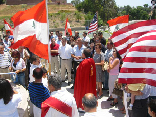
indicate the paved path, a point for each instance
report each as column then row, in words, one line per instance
column 103, row 106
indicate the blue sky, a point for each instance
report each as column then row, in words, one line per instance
column 129, row 2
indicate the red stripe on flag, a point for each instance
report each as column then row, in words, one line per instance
column 137, row 80
column 140, row 60
column 134, row 35
column 34, row 45
column 124, row 50
column 38, row 13
column 143, row 49
column 92, row 30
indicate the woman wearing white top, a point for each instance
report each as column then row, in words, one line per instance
column 18, row 66
column 9, row 100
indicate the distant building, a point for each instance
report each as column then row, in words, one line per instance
column 59, row 1
column 33, row 2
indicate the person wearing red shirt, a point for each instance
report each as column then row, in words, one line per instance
column 54, row 57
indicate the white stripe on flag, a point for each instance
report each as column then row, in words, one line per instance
column 138, row 65
column 141, row 54
column 137, row 75
column 31, row 27
column 145, row 43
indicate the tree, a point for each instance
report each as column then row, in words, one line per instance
column 106, row 8
column 78, row 16
column 75, row 2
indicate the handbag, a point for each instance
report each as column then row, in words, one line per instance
column 117, row 89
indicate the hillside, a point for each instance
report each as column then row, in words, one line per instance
column 56, row 13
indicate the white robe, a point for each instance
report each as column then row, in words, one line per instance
column 67, row 98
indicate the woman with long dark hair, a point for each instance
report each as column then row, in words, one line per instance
column 9, row 100
column 113, row 70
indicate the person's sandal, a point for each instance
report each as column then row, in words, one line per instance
column 110, row 99
column 114, row 103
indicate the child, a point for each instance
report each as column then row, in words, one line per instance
column 44, row 77
column 134, row 87
column 35, row 62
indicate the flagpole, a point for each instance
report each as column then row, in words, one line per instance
column 97, row 23
column 48, row 39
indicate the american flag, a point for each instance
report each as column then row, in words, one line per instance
column 94, row 24
column 137, row 45
column 140, row 63
column 124, row 38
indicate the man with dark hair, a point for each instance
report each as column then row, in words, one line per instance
column 61, row 103
column 107, row 55
column 58, row 41
column 77, row 55
column 37, row 92
column 55, row 66
column 89, row 103
column 65, row 51
column 102, row 39
column 76, row 35
column 152, row 108
column 85, row 81
column 85, row 37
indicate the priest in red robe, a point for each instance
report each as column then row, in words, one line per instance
column 85, row 81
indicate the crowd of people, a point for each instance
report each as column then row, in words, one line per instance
column 95, row 65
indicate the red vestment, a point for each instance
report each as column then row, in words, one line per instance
column 85, row 81
column 57, row 105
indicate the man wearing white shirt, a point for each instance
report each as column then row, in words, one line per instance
column 61, row 103
column 85, row 37
column 89, row 102
column 65, row 51
column 77, row 55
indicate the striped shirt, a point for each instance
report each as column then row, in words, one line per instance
column 38, row 93
column 5, row 60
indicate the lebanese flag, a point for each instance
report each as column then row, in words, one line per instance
column 118, row 23
column 8, row 27
column 67, row 27
column 30, row 30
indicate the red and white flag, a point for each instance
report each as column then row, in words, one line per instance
column 30, row 30
column 67, row 28
column 118, row 23
column 124, row 38
column 139, row 66
column 8, row 27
